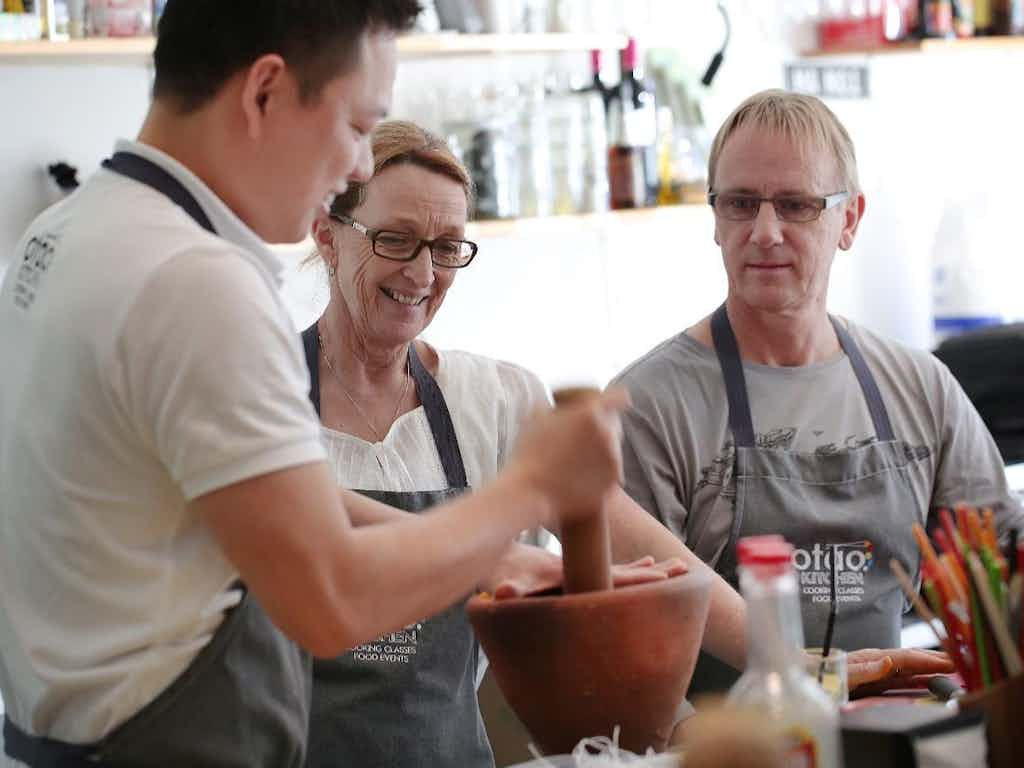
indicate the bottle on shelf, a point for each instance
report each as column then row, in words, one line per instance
column 775, row 683
column 641, row 114
column 963, row 18
column 1009, row 17
column 937, row 18
column 633, row 128
column 683, row 142
column 985, row 17
column 627, row 183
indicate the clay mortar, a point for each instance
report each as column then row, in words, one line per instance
column 579, row 664
column 573, row 666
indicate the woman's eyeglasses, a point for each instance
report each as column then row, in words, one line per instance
column 445, row 252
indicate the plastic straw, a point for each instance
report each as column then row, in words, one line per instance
column 1004, row 643
column 830, row 625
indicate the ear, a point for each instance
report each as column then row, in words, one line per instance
column 265, row 87
column 323, row 236
column 853, row 212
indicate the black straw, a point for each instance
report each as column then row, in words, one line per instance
column 833, row 609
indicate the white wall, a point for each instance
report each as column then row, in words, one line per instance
column 69, row 112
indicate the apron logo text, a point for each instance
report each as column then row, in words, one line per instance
column 814, row 569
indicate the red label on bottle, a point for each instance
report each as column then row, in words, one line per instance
column 801, row 749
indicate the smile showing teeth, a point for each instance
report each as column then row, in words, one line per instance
column 402, row 298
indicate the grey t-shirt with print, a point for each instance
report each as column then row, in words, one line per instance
column 678, row 448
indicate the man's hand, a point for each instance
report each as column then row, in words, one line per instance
column 871, row 671
column 525, row 570
column 571, row 456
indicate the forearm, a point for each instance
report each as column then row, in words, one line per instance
column 330, row 586
column 362, row 510
column 635, row 534
column 425, row 563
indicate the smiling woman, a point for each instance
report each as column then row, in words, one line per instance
column 392, row 246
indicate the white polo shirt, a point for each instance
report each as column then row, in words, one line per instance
column 145, row 362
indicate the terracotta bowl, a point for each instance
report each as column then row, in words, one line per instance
column 574, row 666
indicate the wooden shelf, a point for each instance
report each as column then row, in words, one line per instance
column 113, row 50
column 540, row 225
column 139, row 50
column 928, row 45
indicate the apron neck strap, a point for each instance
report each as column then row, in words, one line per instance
column 152, row 175
column 438, row 416
column 728, row 352
column 440, row 421
column 311, row 346
column 868, row 385
column 740, row 421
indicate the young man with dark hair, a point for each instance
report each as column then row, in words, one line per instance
column 171, row 541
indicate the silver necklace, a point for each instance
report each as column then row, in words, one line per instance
column 359, row 409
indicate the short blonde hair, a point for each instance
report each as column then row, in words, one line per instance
column 796, row 116
column 400, row 142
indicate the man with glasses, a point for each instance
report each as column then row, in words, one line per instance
column 772, row 416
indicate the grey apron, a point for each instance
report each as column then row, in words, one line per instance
column 408, row 698
column 244, row 699
column 858, row 501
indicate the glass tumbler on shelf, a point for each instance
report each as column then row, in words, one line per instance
column 533, row 152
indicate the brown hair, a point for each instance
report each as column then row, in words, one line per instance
column 795, row 116
column 400, row 142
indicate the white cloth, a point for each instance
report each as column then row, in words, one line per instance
column 149, row 362
column 488, row 401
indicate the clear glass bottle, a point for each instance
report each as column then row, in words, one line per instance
column 775, row 682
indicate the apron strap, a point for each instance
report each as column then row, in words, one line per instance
column 311, row 346
column 438, row 416
column 740, row 421
column 152, row 175
column 868, row 385
column 440, row 420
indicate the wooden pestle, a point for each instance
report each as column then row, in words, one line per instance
column 586, row 546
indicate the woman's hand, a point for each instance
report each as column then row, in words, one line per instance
column 871, row 670
column 525, row 570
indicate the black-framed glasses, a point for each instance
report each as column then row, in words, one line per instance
column 445, row 252
column 736, row 206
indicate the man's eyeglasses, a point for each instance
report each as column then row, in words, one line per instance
column 735, row 206
column 445, row 252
